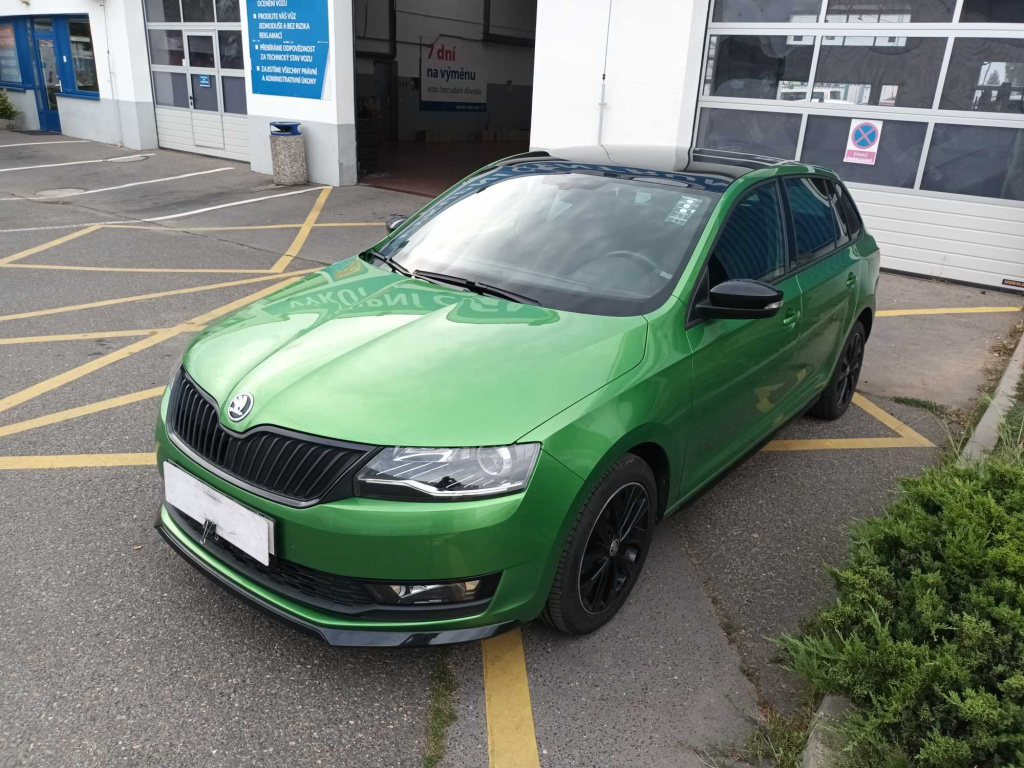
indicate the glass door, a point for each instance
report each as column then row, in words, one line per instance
column 204, row 88
column 47, row 77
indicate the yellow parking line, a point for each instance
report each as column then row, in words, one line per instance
column 100, row 362
column 157, row 270
column 78, row 460
column 157, row 228
column 82, row 410
column 146, row 296
column 350, row 224
column 46, row 246
column 511, row 739
column 303, row 233
column 77, row 336
column 943, row 311
column 908, row 438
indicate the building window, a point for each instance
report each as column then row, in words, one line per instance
column 230, row 42
column 753, row 67
column 976, row 160
column 10, row 66
column 985, row 75
column 879, row 71
column 992, row 12
column 196, row 10
column 83, row 59
column 899, row 154
column 163, row 11
column 747, row 12
column 772, row 134
column 889, row 11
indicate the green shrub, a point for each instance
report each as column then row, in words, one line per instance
column 926, row 636
column 7, row 110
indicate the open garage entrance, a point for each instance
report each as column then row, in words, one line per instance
column 442, row 87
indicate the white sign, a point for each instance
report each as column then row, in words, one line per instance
column 452, row 76
column 862, row 143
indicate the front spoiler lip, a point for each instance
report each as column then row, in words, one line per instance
column 333, row 636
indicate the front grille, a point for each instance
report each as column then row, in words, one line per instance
column 288, row 467
column 320, row 589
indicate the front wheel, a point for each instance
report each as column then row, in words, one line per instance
column 606, row 549
column 839, row 393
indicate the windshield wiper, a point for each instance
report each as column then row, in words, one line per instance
column 390, row 262
column 476, row 286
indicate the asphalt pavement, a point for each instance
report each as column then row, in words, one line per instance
column 114, row 650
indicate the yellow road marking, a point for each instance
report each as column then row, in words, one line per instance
column 78, row 460
column 47, row 246
column 82, row 410
column 77, row 336
column 303, row 233
column 511, row 740
column 245, row 227
column 943, row 311
column 146, row 296
column 908, row 438
column 162, row 335
column 158, row 270
column 351, row 224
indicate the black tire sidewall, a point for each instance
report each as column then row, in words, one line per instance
column 828, row 405
column 565, row 608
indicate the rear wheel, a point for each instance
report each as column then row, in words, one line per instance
column 606, row 549
column 839, row 393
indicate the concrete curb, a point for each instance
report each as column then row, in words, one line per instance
column 986, row 434
column 821, row 749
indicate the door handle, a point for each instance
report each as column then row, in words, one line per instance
column 790, row 319
column 851, row 280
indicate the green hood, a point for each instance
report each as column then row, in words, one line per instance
column 358, row 353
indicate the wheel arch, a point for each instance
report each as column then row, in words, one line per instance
column 866, row 317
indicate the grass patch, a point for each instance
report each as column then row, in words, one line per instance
column 440, row 709
column 779, row 740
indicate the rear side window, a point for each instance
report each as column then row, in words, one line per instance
column 752, row 244
column 848, row 216
column 814, row 222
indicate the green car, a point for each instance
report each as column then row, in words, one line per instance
column 480, row 420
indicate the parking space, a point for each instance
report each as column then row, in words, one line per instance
column 116, row 651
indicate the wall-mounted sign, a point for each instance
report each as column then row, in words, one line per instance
column 288, row 47
column 452, row 76
column 204, row 81
column 862, row 144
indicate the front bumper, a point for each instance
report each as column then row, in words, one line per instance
column 519, row 536
column 332, row 635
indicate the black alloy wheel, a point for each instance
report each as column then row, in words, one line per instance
column 843, row 385
column 610, row 558
column 606, row 548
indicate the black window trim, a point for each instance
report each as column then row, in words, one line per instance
column 699, row 286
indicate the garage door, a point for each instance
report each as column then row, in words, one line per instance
column 195, row 51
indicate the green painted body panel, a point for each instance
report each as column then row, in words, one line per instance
column 359, row 353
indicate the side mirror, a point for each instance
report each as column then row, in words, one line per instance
column 394, row 222
column 741, row 299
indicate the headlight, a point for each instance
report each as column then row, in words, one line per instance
column 447, row 473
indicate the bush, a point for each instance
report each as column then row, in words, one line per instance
column 926, row 636
column 7, row 110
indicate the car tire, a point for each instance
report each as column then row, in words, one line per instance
column 606, row 549
column 841, row 387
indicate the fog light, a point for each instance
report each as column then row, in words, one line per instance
column 413, row 593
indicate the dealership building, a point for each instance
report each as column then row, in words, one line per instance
column 918, row 104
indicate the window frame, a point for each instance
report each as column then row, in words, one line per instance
column 66, row 69
column 951, row 32
column 796, row 268
column 701, row 287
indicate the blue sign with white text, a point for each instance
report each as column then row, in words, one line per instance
column 288, row 47
column 204, row 81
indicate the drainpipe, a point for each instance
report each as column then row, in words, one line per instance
column 604, row 76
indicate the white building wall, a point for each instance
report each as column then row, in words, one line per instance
column 654, row 53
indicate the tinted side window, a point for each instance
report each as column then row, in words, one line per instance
column 752, row 244
column 848, row 217
column 841, row 227
column 813, row 218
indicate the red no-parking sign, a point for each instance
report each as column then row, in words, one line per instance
column 862, row 144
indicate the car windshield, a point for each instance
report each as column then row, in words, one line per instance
column 577, row 241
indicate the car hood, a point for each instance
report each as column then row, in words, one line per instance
column 362, row 354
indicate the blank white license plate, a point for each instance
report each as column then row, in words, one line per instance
column 249, row 531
